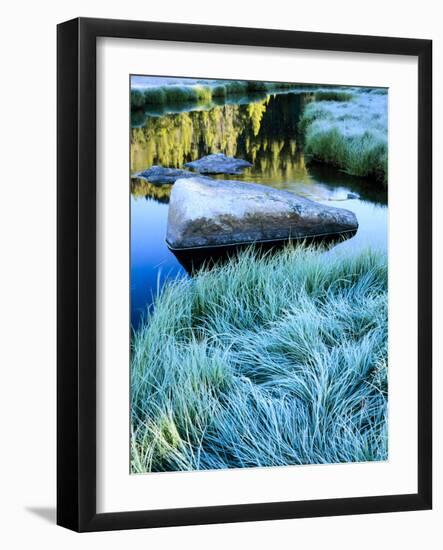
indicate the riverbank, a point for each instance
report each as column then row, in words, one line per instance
column 343, row 127
column 264, row 361
column 349, row 131
column 205, row 91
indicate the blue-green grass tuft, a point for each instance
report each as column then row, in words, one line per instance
column 350, row 134
column 332, row 95
column 267, row 360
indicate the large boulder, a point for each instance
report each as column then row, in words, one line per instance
column 218, row 163
column 207, row 213
column 160, row 175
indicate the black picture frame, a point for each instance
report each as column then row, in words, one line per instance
column 76, row 273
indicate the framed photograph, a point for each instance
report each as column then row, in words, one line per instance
column 244, row 274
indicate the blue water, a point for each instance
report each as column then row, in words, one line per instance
column 151, row 261
column 278, row 161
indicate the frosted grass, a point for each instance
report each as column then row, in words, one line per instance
column 150, row 91
column 265, row 361
column 351, row 134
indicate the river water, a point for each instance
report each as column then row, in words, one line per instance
column 260, row 129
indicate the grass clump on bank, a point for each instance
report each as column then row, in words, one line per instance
column 162, row 95
column 265, row 361
column 349, row 133
column 176, row 94
column 203, row 92
column 332, row 95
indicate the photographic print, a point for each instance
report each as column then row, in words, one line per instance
column 259, row 318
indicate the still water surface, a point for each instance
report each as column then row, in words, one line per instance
column 261, row 130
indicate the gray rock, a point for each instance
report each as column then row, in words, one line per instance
column 205, row 213
column 218, row 163
column 353, row 196
column 159, row 175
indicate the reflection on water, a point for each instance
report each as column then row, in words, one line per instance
column 208, row 257
column 263, row 131
column 138, row 118
column 142, row 188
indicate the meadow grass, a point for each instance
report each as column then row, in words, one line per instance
column 236, row 87
column 219, row 91
column 203, row 92
column 175, row 94
column 332, row 95
column 349, row 132
column 267, row 360
column 137, row 99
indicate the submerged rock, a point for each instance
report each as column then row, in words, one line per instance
column 218, row 163
column 208, row 213
column 159, row 175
